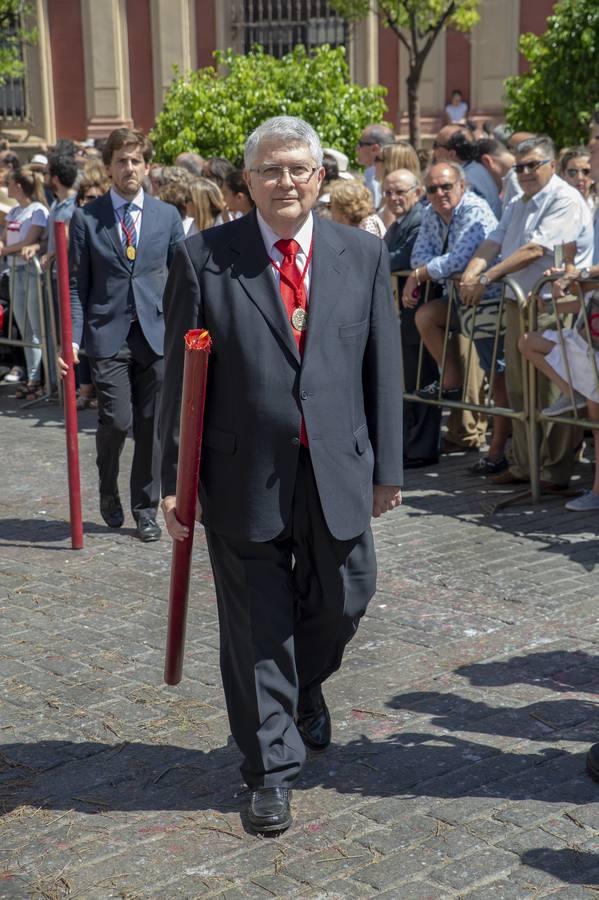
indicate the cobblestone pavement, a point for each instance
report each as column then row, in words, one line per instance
column 461, row 716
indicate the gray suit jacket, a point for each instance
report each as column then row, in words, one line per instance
column 258, row 387
column 103, row 281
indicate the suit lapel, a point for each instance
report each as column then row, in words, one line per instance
column 253, row 270
column 326, row 280
column 107, row 218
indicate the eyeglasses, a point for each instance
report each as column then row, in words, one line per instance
column 573, row 173
column 298, row 174
column 530, row 166
column 390, row 194
column 444, row 188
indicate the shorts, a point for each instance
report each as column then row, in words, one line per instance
column 580, row 361
column 484, row 346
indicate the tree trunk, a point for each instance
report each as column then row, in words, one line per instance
column 413, row 84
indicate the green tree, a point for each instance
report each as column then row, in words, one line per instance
column 417, row 25
column 560, row 90
column 13, row 34
column 213, row 113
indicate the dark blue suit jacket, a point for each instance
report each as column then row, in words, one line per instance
column 102, row 277
column 400, row 239
column 258, row 389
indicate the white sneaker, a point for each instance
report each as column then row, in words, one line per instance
column 564, row 404
column 16, row 375
column 585, row 502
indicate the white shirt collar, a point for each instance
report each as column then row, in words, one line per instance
column 118, row 201
column 270, row 238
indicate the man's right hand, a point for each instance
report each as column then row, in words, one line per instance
column 175, row 528
column 62, row 366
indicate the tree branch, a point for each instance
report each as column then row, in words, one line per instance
column 434, row 33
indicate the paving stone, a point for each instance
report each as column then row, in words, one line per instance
column 461, row 716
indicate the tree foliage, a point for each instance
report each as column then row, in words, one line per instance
column 213, row 113
column 13, row 34
column 560, row 91
column 417, row 25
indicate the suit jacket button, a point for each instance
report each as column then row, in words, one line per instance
column 295, row 441
column 304, row 395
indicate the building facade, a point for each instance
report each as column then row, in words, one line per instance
column 99, row 64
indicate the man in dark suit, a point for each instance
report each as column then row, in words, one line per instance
column 120, row 249
column 302, row 445
column 421, row 423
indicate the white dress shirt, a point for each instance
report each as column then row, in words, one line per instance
column 555, row 215
column 137, row 205
column 304, row 239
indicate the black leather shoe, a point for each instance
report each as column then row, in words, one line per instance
column 269, row 811
column 111, row 510
column 314, row 724
column 148, row 529
column 593, row 762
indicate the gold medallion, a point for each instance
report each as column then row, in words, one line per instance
column 299, row 319
column 131, row 253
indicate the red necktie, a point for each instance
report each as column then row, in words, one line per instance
column 293, row 293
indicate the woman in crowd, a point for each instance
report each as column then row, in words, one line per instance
column 178, row 195
column 400, row 155
column 351, row 204
column 575, row 169
column 236, row 195
column 24, row 230
column 456, row 110
column 207, row 204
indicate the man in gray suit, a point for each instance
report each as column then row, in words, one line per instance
column 120, row 249
column 302, row 445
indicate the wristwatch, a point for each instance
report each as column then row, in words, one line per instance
column 484, row 279
column 584, row 274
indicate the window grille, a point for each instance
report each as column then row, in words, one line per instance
column 278, row 25
column 13, row 96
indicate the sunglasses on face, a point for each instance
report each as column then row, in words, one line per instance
column 573, row 173
column 443, row 188
column 519, row 168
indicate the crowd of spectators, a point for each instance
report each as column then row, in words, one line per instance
column 479, row 206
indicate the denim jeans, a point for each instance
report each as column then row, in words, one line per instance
column 25, row 304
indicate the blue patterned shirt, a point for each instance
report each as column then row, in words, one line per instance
column 471, row 222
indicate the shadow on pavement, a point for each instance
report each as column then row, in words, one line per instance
column 40, row 531
column 556, row 670
column 572, row 866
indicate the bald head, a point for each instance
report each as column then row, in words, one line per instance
column 402, row 190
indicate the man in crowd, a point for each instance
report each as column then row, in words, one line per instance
column 120, row 248
column 61, row 177
column 548, row 213
column 402, row 191
column 451, row 229
column 455, row 143
column 499, row 162
column 372, row 140
column 302, row 444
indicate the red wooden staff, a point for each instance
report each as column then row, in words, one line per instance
column 70, row 402
column 197, row 348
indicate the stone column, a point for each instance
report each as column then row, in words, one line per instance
column 173, row 42
column 39, row 79
column 494, row 54
column 106, row 66
column 364, row 55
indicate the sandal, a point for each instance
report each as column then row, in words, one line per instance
column 486, row 466
column 31, row 391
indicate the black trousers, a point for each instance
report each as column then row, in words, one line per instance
column 287, row 609
column 128, row 387
column 421, row 422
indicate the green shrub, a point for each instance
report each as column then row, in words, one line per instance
column 213, row 113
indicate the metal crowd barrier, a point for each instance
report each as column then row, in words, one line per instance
column 488, row 408
column 38, row 290
column 537, row 417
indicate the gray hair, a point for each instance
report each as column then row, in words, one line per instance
column 380, row 134
column 451, row 164
column 540, row 142
column 283, row 130
column 415, row 179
